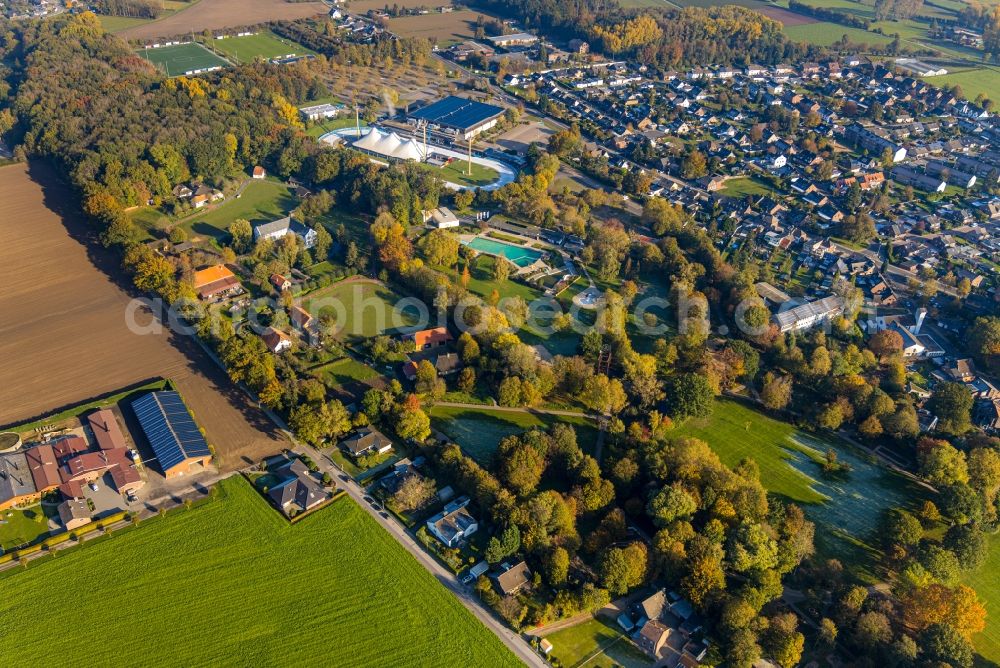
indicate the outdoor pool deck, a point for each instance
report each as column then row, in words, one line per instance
column 519, row 255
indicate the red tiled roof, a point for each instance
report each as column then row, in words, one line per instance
column 88, row 462
column 106, row 430
column 430, row 337
column 69, row 447
column 44, row 467
column 219, row 286
column 123, row 470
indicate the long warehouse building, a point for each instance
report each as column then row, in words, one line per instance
column 462, row 116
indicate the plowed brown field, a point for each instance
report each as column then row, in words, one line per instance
column 63, row 332
column 219, row 14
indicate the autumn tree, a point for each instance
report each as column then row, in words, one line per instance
column 414, row 492
column 623, row 568
column 776, row 393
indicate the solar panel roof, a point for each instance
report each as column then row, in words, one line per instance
column 457, row 112
column 169, row 427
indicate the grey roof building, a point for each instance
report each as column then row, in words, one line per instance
column 299, row 491
column 16, row 483
column 810, row 314
column 279, row 228
column 453, row 524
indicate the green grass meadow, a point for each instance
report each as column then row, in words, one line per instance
column 745, row 185
column 363, row 309
column 345, row 371
column 846, row 509
column 825, row 33
column 986, row 582
column 261, row 202
column 231, row 583
column 479, row 432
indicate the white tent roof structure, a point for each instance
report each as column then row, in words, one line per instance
column 390, row 145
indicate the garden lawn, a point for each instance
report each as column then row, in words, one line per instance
column 232, row 583
column 986, row 582
column 362, row 309
column 846, row 509
column 481, row 281
column 744, row 185
column 595, row 643
column 147, row 219
column 261, row 202
column 479, row 432
column 345, row 371
column 22, row 526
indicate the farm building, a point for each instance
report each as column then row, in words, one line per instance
column 176, row 441
column 466, row 118
column 215, row 282
column 106, row 431
column 16, row 483
column 74, row 513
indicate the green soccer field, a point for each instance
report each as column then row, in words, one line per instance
column 233, row 583
column 181, row 58
column 263, row 45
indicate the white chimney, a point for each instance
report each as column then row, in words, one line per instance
column 921, row 314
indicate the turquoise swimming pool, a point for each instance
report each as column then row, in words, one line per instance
column 519, row 255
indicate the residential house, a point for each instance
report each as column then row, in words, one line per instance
column 429, row 338
column 366, row 441
column 276, row 340
column 259, row 172
column 279, row 228
column 454, row 524
column 280, row 283
column 511, row 579
column 652, row 637
column 298, row 491
column 74, row 513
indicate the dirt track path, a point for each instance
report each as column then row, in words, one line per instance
column 63, row 332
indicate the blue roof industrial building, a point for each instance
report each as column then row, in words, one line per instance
column 459, row 114
column 177, row 443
